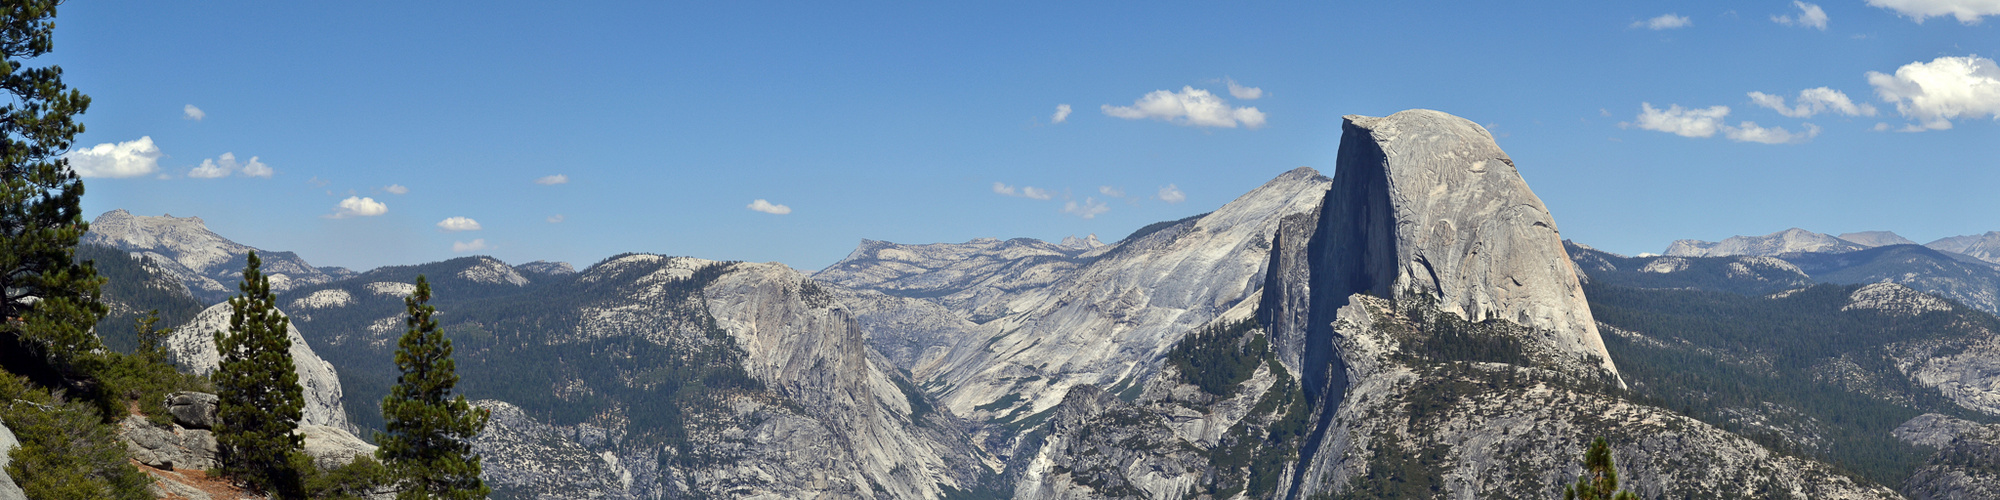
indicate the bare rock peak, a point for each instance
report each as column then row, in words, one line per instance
column 1425, row 202
column 1876, row 238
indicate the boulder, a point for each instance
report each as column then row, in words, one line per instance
column 193, row 410
column 167, row 447
column 332, row 447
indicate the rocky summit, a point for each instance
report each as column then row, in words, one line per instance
column 1792, row 240
column 209, row 264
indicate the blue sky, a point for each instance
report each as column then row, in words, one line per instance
column 373, row 126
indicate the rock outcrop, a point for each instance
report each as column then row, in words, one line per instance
column 1967, row 468
column 1425, row 203
column 1873, row 239
column 1985, row 247
column 1933, row 430
column 209, row 264
column 168, row 446
column 546, row 268
column 1788, row 241
column 8, row 489
column 192, row 346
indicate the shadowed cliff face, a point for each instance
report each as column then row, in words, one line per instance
column 1422, row 203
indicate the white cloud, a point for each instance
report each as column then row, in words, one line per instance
column 1171, row 194
column 1664, row 22
column 553, row 180
column 1812, row 102
column 1967, row 11
column 769, row 208
column 1750, row 132
column 396, row 189
column 1004, row 189
column 1810, row 16
column 1088, row 209
column 1111, row 191
column 1036, row 193
column 124, row 159
column 1190, row 106
column 226, row 164
column 192, row 113
column 1244, row 93
column 1945, row 89
column 1682, row 121
column 255, row 168
column 556, row 219
column 355, row 206
column 1062, row 114
column 456, row 224
column 477, row 244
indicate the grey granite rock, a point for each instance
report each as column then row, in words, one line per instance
column 192, row 346
column 1967, row 468
column 332, row 447
column 167, row 447
column 1985, row 247
column 1426, row 203
column 8, row 490
column 193, row 410
column 1792, row 240
column 1932, row 430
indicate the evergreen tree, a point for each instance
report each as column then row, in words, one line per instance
column 260, row 398
column 428, row 446
column 152, row 339
column 1600, row 476
column 50, row 300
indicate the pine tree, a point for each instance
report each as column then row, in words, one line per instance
column 1600, row 476
column 50, row 301
column 260, row 398
column 428, row 446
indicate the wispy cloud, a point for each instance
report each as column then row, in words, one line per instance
column 226, row 164
column 189, row 112
column 1967, row 11
column 1750, row 132
column 1022, row 192
column 1189, row 107
column 1088, row 209
column 1111, row 191
column 553, row 180
column 1812, row 102
column 1244, row 93
column 1171, row 194
column 355, row 206
column 555, row 219
column 1810, row 16
column 396, row 189
column 1664, row 22
column 456, row 224
column 124, row 159
column 475, row 245
column 1062, row 114
column 767, row 207
column 1945, row 89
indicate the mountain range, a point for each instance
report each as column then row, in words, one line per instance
column 1412, row 326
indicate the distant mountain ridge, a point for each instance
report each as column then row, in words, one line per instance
column 209, row 264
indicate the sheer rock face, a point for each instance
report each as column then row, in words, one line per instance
column 192, row 346
column 1426, row 203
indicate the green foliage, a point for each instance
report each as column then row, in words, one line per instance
column 1000, row 404
column 429, row 442
column 918, row 405
column 1284, row 415
column 1218, row 358
column 362, row 478
column 1444, row 336
column 66, row 451
column 1720, row 353
column 260, row 398
column 1600, row 476
column 132, row 289
column 1397, row 472
column 40, row 213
